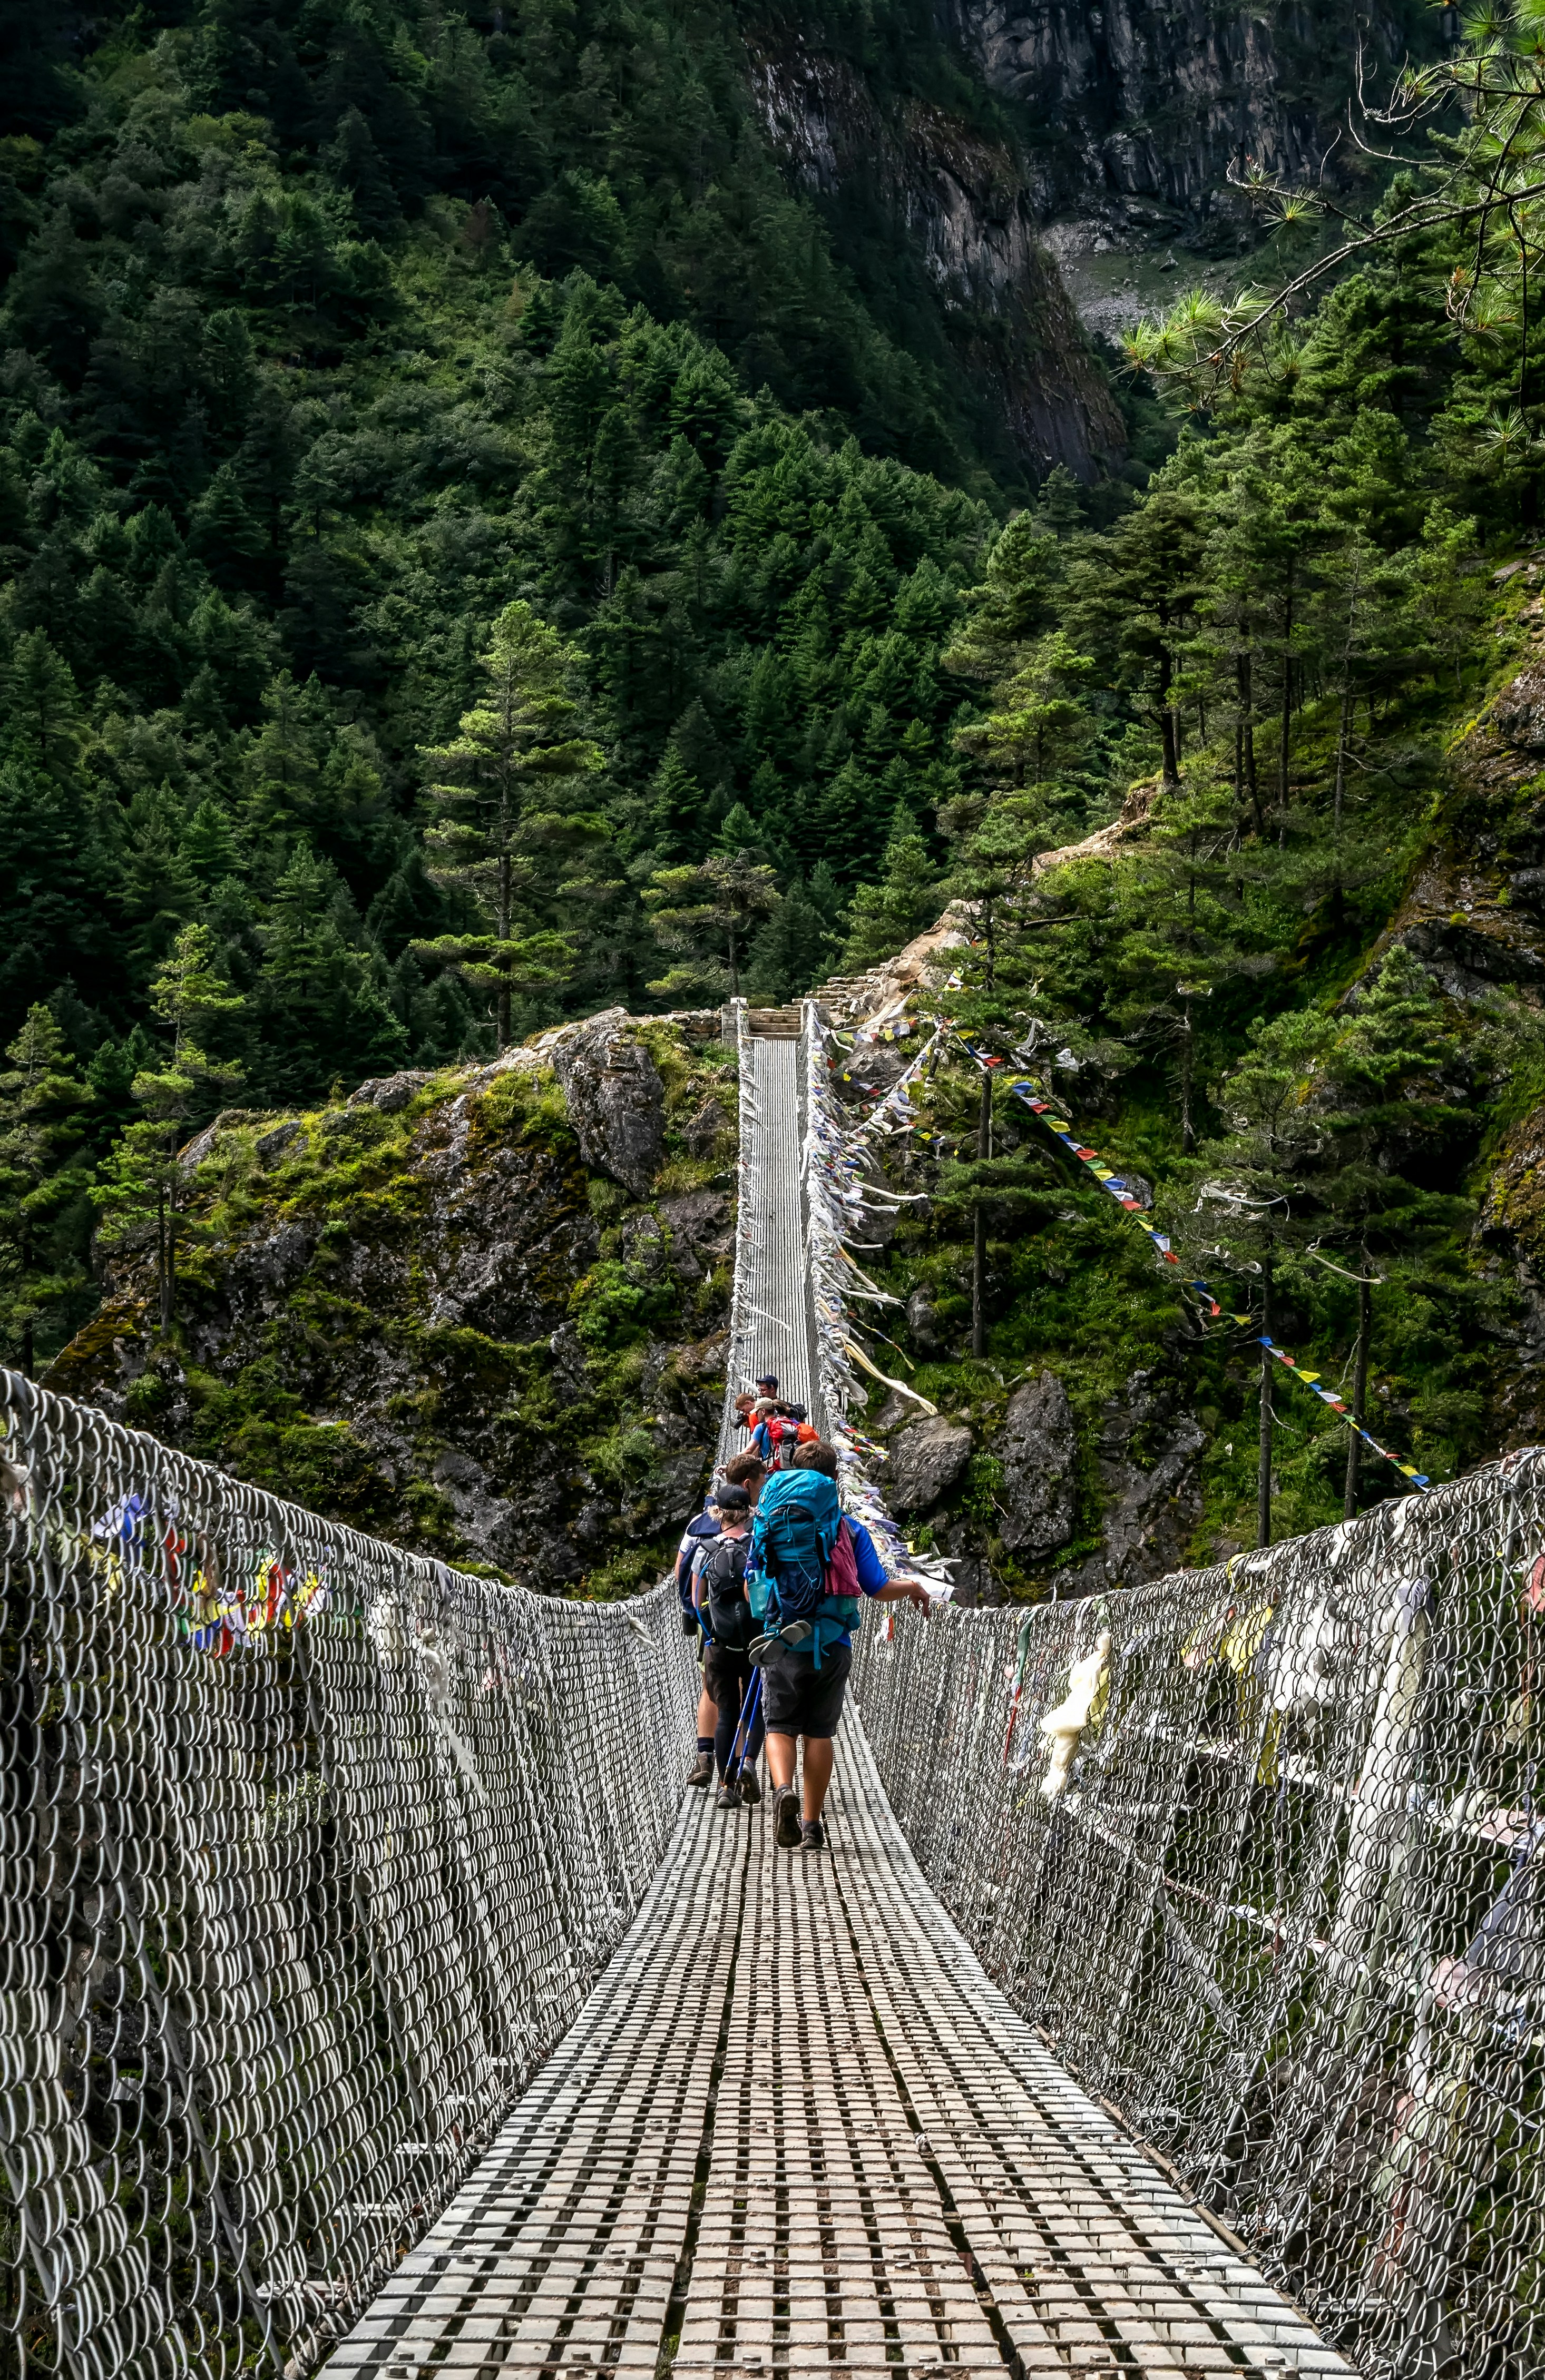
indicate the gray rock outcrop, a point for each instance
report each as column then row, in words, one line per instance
column 922, row 1322
column 1039, row 1451
column 1146, row 1456
column 614, row 1097
column 926, row 1459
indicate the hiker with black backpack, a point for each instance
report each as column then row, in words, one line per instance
column 719, row 1591
column 744, row 1472
column 809, row 1566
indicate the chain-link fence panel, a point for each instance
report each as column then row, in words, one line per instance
column 1261, row 1850
column 311, row 1850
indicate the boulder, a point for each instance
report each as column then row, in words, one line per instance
column 1039, row 1451
column 922, row 1322
column 614, row 1097
column 271, row 1146
column 925, row 1459
column 703, row 1131
column 389, row 1093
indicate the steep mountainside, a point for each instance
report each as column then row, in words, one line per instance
column 951, row 191
column 1140, row 109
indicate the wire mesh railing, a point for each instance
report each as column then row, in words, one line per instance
column 1261, row 1851
column 311, row 1850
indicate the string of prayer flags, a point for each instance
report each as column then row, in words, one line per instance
column 1312, row 1382
column 1029, row 1091
column 1094, row 1163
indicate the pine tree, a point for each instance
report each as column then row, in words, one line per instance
column 886, row 916
column 44, row 1171
column 515, row 748
column 44, row 703
column 1039, row 725
column 792, row 952
column 997, row 840
column 1136, row 593
column 1389, row 1120
column 1249, row 1208
column 703, row 911
column 141, row 1183
column 222, row 533
column 676, row 807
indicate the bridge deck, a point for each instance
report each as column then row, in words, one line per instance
column 796, row 2128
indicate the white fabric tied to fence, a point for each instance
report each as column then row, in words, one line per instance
column 1288, row 1912
column 312, row 1848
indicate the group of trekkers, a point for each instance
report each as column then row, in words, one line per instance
column 769, row 1576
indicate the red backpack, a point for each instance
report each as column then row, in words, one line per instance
column 785, row 1434
column 842, row 1563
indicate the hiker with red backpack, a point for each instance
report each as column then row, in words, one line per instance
column 810, row 1565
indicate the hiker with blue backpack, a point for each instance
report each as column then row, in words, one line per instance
column 808, row 1567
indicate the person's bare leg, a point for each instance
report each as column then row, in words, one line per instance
column 819, row 1755
column 708, row 1712
column 780, row 1760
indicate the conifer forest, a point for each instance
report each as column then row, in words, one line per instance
column 513, row 513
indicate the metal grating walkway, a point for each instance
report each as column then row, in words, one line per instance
column 795, row 2127
column 771, row 1304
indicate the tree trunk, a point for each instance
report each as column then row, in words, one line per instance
column 1246, row 675
column 1359, row 1394
column 979, row 1227
column 1288, row 706
column 502, row 1027
column 1263, row 1472
column 1188, row 1058
column 169, row 1267
column 161, row 1251
column 1168, row 738
column 734, row 967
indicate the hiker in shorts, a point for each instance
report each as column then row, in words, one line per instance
column 719, row 1591
column 803, row 1689
column 742, row 1471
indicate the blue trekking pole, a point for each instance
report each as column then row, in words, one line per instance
column 747, row 1720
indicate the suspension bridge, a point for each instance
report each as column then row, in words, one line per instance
column 376, row 2002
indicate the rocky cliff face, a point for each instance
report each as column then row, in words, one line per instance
column 1141, row 109
column 1098, row 130
column 959, row 200
column 479, row 1312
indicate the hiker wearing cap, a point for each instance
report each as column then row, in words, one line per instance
column 746, row 1471
column 719, row 1592
column 812, row 1566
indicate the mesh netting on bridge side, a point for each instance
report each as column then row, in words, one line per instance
column 1286, row 1909
column 311, row 1851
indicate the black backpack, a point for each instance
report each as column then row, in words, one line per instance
column 724, row 1585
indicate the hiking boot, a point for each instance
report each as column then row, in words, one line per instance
column 702, row 1770
column 812, row 1835
column 786, row 1819
column 727, row 1798
column 751, row 1791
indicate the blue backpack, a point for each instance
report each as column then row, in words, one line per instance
column 793, row 1534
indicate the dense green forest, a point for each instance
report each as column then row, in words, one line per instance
column 477, row 553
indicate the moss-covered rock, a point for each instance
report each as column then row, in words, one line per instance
column 422, row 1312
